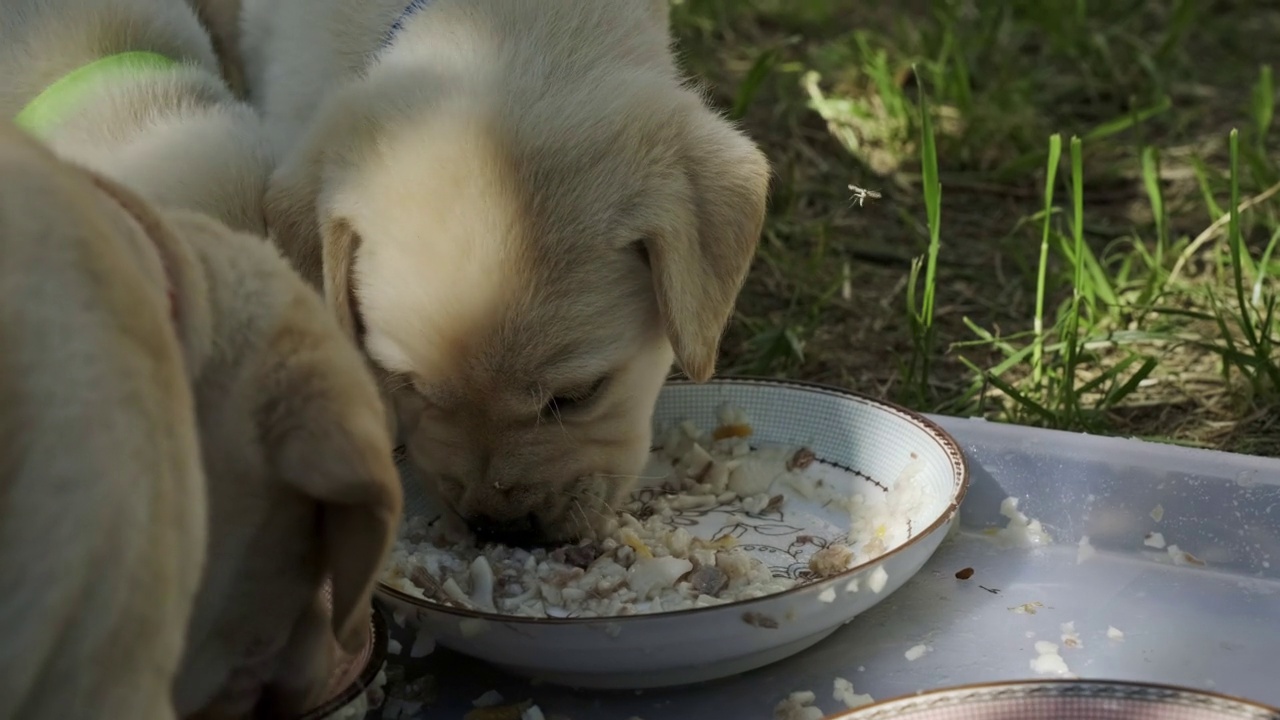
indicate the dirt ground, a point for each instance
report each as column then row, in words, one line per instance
column 828, row 88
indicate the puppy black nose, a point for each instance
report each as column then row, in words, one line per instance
column 517, row 532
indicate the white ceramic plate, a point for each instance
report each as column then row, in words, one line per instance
column 1063, row 700
column 862, row 446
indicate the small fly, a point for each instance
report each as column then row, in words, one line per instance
column 861, row 194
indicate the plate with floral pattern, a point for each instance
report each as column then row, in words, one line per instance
column 846, row 499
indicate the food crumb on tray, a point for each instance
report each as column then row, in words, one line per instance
column 1027, row 608
column 1071, row 638
column 798, row 706
column 423, row 643
column 1047, row 660
column 843, row 692
column 1182, row 557
column 1114, row 633
column 1021, row 531
column 1084, row 550
column 916, row 652
column 1154, row 540
column 642, row 563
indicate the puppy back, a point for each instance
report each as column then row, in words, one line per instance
column 101, row 497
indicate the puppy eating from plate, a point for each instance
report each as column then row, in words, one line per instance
column 523, row 215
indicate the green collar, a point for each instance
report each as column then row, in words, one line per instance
column 58, row 99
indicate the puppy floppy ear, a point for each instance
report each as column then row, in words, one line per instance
column 699, row 268
column 339, row 243
column 320, row 248
column 343, row 461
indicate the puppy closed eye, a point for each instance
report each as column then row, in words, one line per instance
column 575, row 399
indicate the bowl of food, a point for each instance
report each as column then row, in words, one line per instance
column 1063, row 700
column 356, row 684
column 771, row 513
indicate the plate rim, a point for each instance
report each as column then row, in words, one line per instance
column 889, row 704
column 380, row 634
column 947, row 442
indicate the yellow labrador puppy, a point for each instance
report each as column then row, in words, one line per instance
column 300, row 484
column 131, row 88
column 222, row 19
column 102, row 511
column 519, row 210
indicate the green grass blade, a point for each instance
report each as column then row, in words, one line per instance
column 1264, row 106
column 1151, row 180
column 1051, row 178
column 1023, row 400
column 1118, row 394
column 1128, row 122
column 1235, row 241
column 1071, row 335
column 751, row 84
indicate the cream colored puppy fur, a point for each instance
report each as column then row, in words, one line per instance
column 519, row 210
column 181, row 138
column 102, row 513
column 301, row 484
column 221, row 18
column 299, row 478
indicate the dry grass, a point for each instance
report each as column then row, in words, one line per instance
column 1127, row 345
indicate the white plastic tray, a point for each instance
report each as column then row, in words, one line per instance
column 1215, row 626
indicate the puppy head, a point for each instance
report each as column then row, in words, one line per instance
column 522, row 272
column 301, row 485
